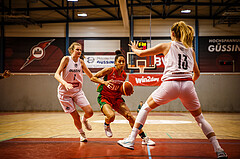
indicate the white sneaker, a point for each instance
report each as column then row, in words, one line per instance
column 147, row 141
column 126, row 143
column 108, row 131
column 83, row 137
column 221, row 154
column 87, row 125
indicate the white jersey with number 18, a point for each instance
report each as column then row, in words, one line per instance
column 179, row 62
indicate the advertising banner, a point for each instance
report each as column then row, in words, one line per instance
column 219, row 54
column 145, row 79
column 102, row 61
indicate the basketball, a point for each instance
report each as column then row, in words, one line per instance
column 126, row 88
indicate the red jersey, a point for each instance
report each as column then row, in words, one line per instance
column 112, row 91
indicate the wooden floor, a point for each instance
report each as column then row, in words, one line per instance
column 53, row 135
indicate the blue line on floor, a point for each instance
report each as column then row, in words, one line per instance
column 149, row 153
column 14, row 137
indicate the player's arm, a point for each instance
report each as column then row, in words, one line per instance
column 57, row 75
column 158, row 49
column 196, row 71
column 85, row 69
column 5, row 74
column 97, row 77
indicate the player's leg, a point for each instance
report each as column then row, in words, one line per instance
column 167, row 92
column 209, row 133
column 137, row 128
column 69, row 107
column 81, row 100
column 105, row 107
column 88, row 113
column 109, row 117
column 191, row 102
column 125, row 111
column 78, row 124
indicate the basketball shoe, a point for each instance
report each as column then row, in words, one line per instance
column 87, row 125
column 108, row 130
column 83, row 137
column 127, row 143
column 147, row 141
column 221, row 154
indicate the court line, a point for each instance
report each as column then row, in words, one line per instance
column 169, row 135
column 149, row 152
column 3, row 133
column 15, row 136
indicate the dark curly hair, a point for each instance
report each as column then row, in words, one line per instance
column 118, row 54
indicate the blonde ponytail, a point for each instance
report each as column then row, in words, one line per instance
column 183, row 33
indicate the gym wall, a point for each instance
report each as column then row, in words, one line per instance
column 218, row 92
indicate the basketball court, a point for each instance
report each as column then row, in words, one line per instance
column 53, row 135
column 36, row 35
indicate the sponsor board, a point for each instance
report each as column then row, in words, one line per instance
column 103, row 61
column 145, row 79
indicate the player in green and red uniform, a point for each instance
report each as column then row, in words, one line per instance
column 110, row 95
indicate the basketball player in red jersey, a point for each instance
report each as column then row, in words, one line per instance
column 178, row 82
column 70, row 76
column 110, row 95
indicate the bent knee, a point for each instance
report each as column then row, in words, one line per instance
column 89, row 113
column 129, row 116
column 111, row 117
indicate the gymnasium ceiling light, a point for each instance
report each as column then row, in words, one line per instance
column 82, row 14
column 186, row 11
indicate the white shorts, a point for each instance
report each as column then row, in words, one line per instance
column 68, row 101
column 171, row 90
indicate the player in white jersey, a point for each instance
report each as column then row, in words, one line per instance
column 178, row 82
column 70, row 77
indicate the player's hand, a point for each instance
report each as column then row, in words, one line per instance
column 6, row 73
column 109, row 83
column 130, row 93
column 134, row 45
column 68, row 86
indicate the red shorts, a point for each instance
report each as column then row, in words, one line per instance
column 113, row 102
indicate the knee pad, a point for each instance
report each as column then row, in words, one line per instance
column 142, row 115
column 204, row 125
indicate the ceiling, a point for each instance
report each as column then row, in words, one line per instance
column 38, row 12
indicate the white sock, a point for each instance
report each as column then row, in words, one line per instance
column 141, row 118
column 134, row 134
column 215, row 143
column 81, row 131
